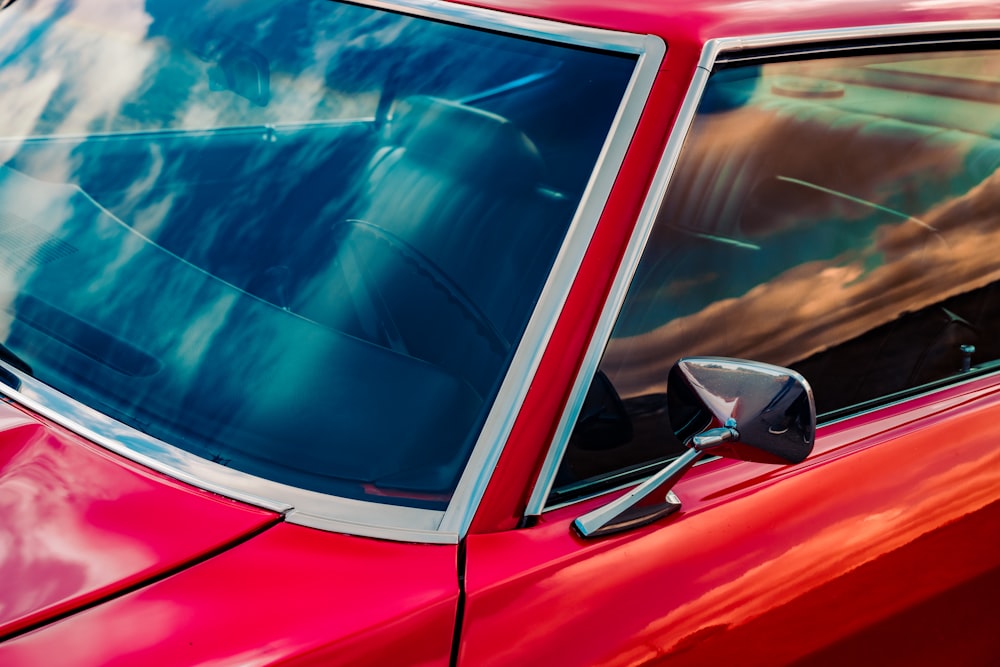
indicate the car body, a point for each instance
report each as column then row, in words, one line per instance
column 330, row 328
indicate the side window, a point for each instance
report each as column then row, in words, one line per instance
column 838, row 216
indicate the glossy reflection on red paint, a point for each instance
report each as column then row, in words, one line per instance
column 79, row 524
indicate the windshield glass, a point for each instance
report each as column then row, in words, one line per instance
column 297, row 238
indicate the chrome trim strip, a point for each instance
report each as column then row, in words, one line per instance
column 527, row 26
column 938, row 387
column 300, row 506
column 129, row 442
column 714, row 47
column 711, row 52
column 372, row 519
column 510, row 398
column 616, row 296
column 429, row 536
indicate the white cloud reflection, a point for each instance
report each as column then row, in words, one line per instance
column 180, row 190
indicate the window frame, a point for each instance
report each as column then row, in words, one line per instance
column 716, row 53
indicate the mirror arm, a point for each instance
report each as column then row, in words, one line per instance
column 777, row 424
column 714, row 437
column 629, row 511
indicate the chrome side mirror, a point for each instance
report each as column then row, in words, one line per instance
column 720, row 407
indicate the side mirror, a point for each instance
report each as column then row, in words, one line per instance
column 720, row 407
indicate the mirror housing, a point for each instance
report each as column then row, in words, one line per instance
column 721, row 407
column 771, row 407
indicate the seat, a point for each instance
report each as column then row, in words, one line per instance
column 461, row 186
column 453, row 238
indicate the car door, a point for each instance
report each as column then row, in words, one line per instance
column 833, row 210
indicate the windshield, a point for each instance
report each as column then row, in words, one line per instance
column 299, row 238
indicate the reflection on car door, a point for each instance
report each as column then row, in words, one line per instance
column 868, row 264
column 880, row 549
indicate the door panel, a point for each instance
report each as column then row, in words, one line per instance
column 883, row 546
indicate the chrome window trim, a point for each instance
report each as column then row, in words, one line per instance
column 368, row 518
column 712, row 53
column 937, row 388
column 514, row 388
column 715, row 47
column 616, row 295
column 515, row 24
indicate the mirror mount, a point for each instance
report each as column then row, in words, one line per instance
column 714, row 437
column 739, row 409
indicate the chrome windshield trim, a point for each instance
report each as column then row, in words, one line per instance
column 711, row 53
column 373, row 519
column 309, row 508
column 362, row 529
column 516, row 24
column 510, row 398
column 102, row 430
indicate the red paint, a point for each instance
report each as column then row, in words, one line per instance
column 292, row 595
column 685, row 28
column 526, row 447
column 880, row 549
column 80, row 524
column 695, row 21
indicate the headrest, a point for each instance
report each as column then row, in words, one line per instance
column 463, row 140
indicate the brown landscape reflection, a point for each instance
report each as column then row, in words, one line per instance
column 798, row 221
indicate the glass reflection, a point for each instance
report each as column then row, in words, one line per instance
column 835, row 216
column 298, row 238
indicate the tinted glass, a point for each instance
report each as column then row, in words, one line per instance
column 298, row 238
column 835, row 216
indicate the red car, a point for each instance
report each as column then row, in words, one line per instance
column 391, row 333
